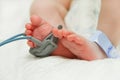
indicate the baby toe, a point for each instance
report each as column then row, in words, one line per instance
column 30, row 43
column 57, row 33
column 29, row 26
column 36, row 20
column 60, row 34
column 75, row 38
column 66, row 33
column 71, row 37
column 28, row 32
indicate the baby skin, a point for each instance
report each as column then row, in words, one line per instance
column 70, row 45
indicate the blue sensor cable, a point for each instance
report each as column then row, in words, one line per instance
column 21, row 36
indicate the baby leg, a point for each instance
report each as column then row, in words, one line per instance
column 79, row 46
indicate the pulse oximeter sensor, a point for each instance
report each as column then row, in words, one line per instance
column 43, row 48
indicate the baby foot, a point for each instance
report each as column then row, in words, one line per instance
column 79, row 46
column 39, row 29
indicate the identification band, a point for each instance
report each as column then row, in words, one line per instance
column 103, row 41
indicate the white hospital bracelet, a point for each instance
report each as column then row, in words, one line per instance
column 102, row 40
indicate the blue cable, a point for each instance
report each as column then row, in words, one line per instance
column 21, row 37
column 18, row 35
column 15, row 38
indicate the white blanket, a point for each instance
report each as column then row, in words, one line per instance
column 17, row 64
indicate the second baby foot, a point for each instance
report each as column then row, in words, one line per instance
column 79, row 46
column 39, row 29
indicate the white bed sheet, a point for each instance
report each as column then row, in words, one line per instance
column 17, row 64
